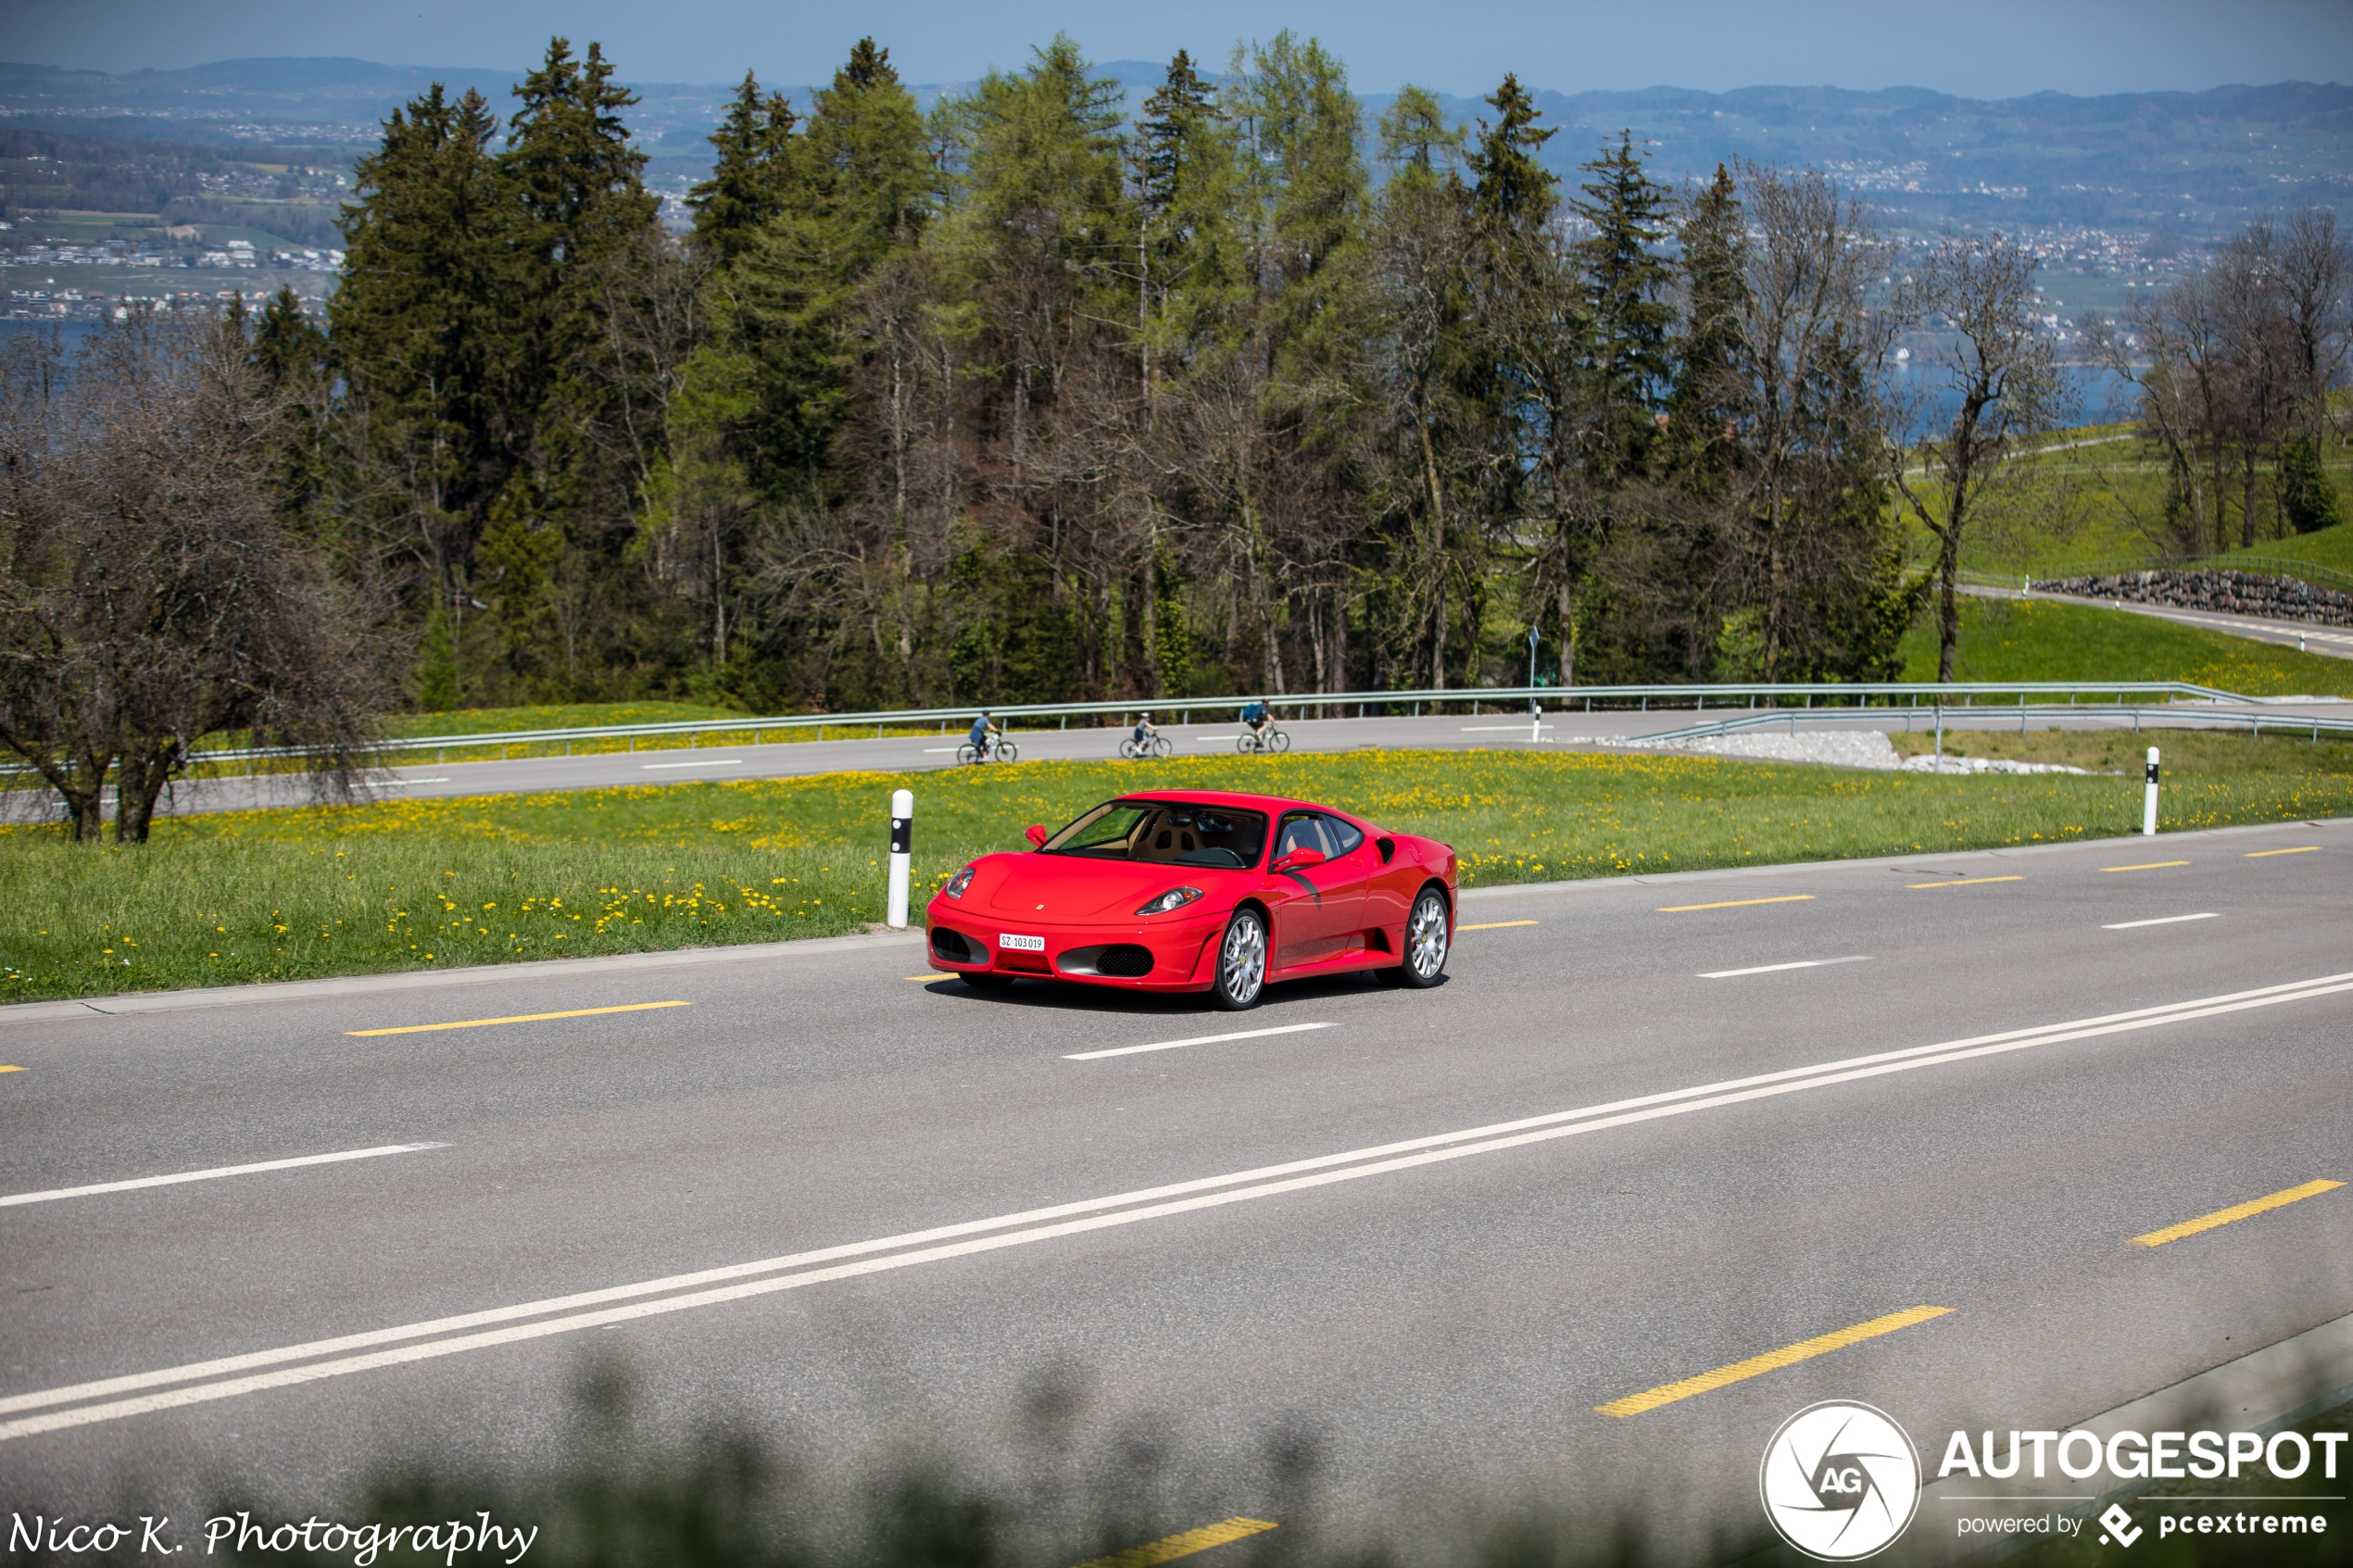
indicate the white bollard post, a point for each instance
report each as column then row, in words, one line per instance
column 2148, row 798
column 903, row 845
column 1535, row 722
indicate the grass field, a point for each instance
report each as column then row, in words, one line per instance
column 2332, row 548
column 429, row 885
column 2041, row 640
column 2079, row 501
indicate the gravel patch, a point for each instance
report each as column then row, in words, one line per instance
column 1835, row 749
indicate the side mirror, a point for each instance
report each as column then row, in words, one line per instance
column 1037, row 835
column 1297, row 858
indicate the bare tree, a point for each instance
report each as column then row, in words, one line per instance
column 1805, row 321
column 1976, row 298
column 2315, row 261
column 148, row 594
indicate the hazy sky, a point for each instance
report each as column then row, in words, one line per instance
column 1980, row 48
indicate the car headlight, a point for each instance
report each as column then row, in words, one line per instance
column 957, row 884
column 1175, row 899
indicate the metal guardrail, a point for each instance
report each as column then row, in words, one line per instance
column 1777, row 695
column 2173, row 716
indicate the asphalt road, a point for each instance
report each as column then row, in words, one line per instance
column 1626, row 1144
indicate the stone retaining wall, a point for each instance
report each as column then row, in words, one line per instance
column 2232, row 593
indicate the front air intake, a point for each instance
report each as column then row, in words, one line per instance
column 953, row 947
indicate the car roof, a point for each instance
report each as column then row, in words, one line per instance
column 1224, row 797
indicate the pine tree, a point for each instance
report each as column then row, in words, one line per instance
column 872, row 171
column 1625, row 283
column 774, row 378
column 290, row 352
column 755, row 176
column 1169, row 134
column 1711, row 377
column 1512, row 188
column 421, row 333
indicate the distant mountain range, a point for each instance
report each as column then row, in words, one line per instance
column 2188, row 164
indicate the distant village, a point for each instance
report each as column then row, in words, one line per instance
column 49, row 301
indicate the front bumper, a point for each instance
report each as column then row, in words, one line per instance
column 1179, row 952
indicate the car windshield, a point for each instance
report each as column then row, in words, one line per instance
column 1171, row 831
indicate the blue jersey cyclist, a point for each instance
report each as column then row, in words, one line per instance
column 1257, row 717
column 983, row 727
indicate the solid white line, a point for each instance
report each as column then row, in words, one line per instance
column 1196, row 1040
column 714, row 762
column 1475, row 729
column 2167, row 920
column 1772, row 968
column 1324, row 1170
column 1206, row 738
column 394, row 783
column 217, row 1170
column 929, row 749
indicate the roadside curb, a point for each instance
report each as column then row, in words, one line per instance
column 1730, row 873
column 432, row 979
column 555, row 969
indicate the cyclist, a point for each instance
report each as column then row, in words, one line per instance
column 1258, row 717
column 1144, row 734
column 983, row 727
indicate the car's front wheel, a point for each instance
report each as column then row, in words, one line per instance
column 1242, row 962
column 1427, row 933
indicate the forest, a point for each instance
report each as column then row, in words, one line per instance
column 1025, row 399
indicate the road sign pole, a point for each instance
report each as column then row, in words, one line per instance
column 903, row 845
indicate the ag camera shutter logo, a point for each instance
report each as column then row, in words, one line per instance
column 1840, row 1481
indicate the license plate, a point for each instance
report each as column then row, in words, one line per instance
column 1023, row 944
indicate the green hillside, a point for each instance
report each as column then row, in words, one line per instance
column 2039, row 640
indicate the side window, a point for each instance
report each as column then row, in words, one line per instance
column 1299, row 833
column 1341, row 837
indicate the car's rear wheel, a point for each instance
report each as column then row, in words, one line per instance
column 1426, row 933
column 1242, row 962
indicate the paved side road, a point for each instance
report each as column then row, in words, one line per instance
column 1648, row 1130
column 1569, row 726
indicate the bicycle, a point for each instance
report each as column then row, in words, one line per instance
column 1000, row 751
column 1136, row 751
column 1271, row 742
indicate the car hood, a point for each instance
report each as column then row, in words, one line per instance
column 1063, row 889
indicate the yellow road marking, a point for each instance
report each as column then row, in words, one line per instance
column 933, row 975
column 518, row 1018
column 1965, row 881
column 2238, row 1212
column 1736, row 903
column 2152, row 866
column 11, row 1068
column 1170, row 1547
column 1497, row 924
column 2301, row 849
column 1773, row 1361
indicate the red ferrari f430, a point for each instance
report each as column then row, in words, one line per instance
column 1199, row 890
